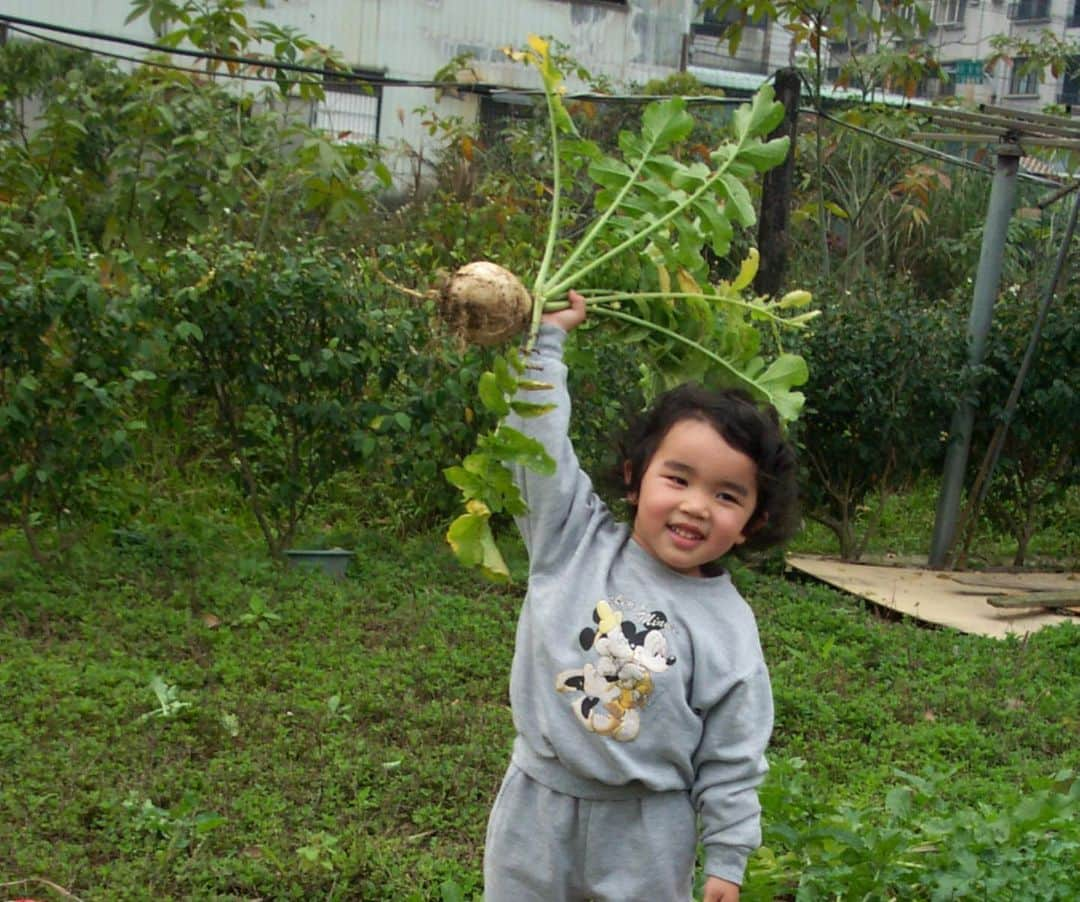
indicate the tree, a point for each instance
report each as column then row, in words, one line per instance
column 221, row 29
column 1045, row 53
column 879, row 52
column 143, row 167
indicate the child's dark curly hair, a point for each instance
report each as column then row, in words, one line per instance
column 743, row 424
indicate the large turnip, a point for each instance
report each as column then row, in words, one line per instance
column 484, row 303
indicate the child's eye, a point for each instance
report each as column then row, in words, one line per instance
column 678, row 480
column 727, row 497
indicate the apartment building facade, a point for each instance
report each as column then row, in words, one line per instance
column 961, row 40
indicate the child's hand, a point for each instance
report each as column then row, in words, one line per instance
column 570, row 318
column 717, row 890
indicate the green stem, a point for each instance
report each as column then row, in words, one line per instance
column 590, row 236
column 553, row 223
column 564, row 284
column 689, row 342
column 609, row 298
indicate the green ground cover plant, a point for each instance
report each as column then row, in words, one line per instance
column 183, row 719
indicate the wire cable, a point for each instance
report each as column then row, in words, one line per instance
column 932, row 151
column 19, row 24
column 153, row 63
column 374, row 79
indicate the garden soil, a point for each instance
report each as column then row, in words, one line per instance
column 957, row 600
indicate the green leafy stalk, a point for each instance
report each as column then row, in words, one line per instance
column 597, row 302
column 787, row 403
column 565, row 282
column 560, row 278
column 650, row 201
column 551, row 79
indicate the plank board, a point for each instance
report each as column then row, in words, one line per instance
column 955, row 600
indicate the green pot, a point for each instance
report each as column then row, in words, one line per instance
column 332, row 561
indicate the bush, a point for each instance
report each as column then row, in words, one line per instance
column 293, row 359
column 69, row 372
column 1036, row 468
column 914, row 845
column 884, row 364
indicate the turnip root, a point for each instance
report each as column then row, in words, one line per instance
column 484, row 303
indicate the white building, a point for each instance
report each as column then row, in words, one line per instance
column 960, row 39
column 626, row 41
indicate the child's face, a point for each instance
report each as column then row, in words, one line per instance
column 697, row 496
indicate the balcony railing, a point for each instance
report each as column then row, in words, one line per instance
column 1030, row 11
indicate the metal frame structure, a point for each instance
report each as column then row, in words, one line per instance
column 1013, row 130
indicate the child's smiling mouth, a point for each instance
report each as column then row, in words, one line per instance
column 685, row 535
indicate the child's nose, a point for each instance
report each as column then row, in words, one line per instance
column 696, row 504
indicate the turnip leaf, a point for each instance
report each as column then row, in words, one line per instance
column 471, row 539
column 666, row 123
column 767, row 155
column 491, row 395
column 511, row 446
column 529, row 409
column 609, row 172
column 506, row 381
column 742, row 204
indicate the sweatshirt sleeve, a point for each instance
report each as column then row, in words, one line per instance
column 559, row 505
column 729, row 765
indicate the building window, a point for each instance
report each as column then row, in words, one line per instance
column 350, row 109
column 1070, row 84
column 948, row 12
column 909, row 12
column 715, row 24
column 622, row 3
column 947, row 80
column 1021, row 81
column 503, row 110
column 1029, row 10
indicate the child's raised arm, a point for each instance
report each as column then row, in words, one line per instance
column 557, row 503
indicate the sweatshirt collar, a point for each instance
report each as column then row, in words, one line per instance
column 654, row 569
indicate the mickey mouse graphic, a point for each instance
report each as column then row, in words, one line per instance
column 619, row 682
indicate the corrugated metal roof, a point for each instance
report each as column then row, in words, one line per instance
column 751, row 81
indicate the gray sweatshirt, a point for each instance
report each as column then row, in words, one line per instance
column 628, row 677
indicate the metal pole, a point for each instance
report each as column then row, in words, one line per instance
column 987, row 284
column 986, row 472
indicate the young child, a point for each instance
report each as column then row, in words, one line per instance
column 640, row 696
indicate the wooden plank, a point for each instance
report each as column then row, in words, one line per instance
column 931, row 596
column 1064, row 599
column 1019, row 581
column 979, row 581
column 957, row 137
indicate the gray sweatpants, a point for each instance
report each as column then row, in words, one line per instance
column 543, row 846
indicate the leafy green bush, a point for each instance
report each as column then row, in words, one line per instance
column 914, row 845
column 1037, row 464
column 884, row 365
column 291, row 356
column 69, row 375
